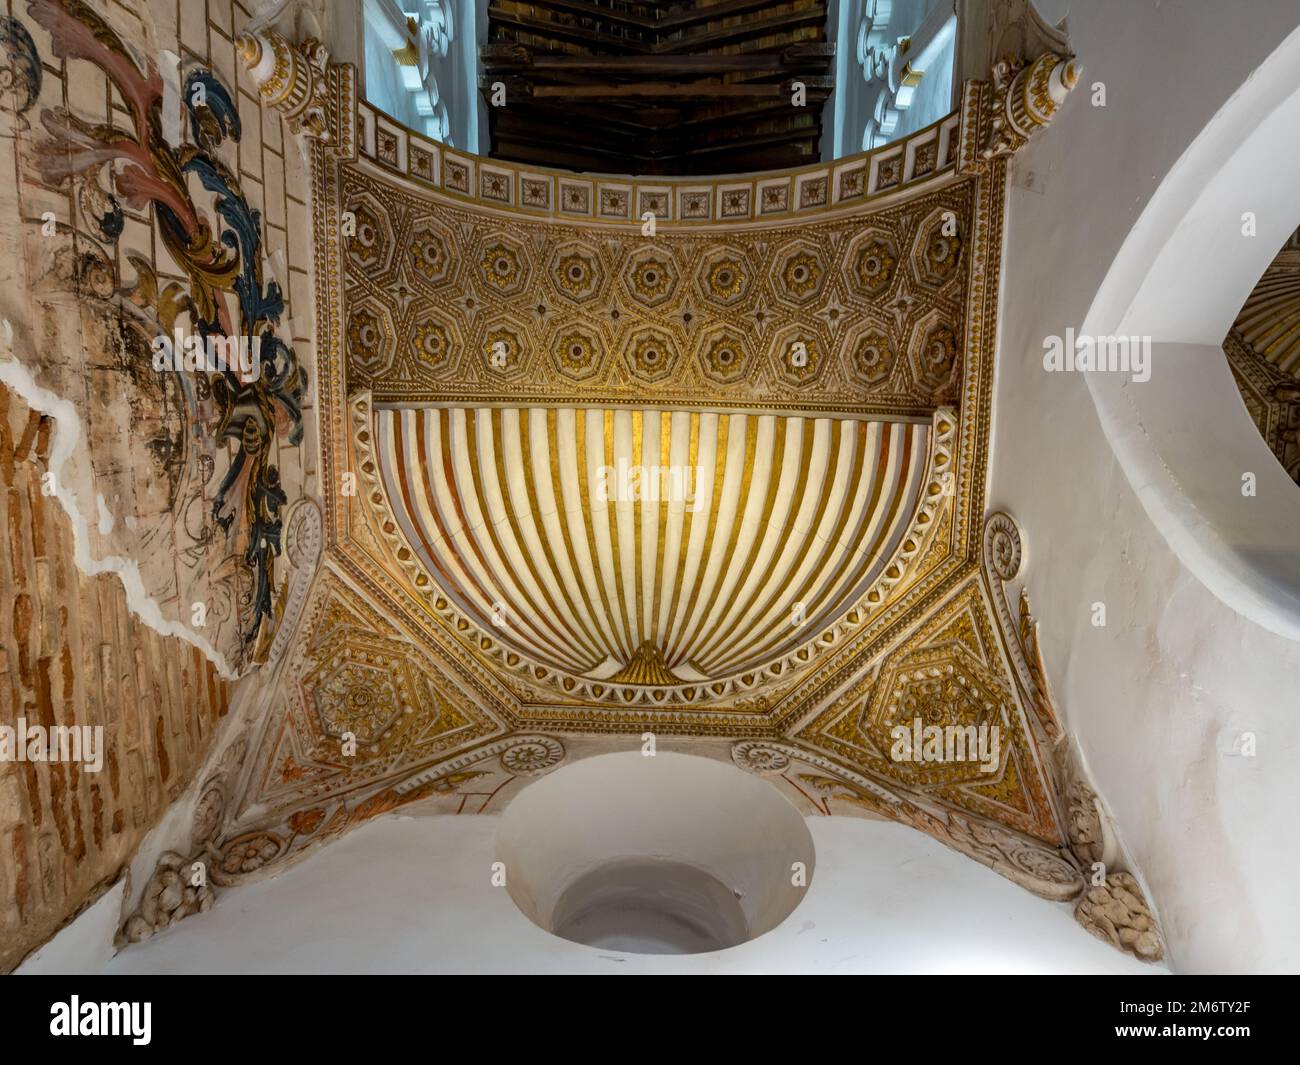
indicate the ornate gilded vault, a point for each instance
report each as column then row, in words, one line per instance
column 804, row 369
column 814, row 347
column 1263, row 353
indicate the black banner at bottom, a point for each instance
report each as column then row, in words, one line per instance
column 170, row 1013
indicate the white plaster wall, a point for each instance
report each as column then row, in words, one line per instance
column 85, row 945
column 413, row 895
column 1157, row 696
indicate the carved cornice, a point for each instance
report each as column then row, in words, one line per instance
column 464, row 782
column 775, row 197
column 1114, row 907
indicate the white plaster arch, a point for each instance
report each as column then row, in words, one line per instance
column 674, row 853
column 1184, row 438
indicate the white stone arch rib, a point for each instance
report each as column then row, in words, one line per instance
column 1184, row 438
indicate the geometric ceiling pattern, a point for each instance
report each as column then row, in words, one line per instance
column 354, row 675
column 947, row 676
column 804, row 390
column 457, row 304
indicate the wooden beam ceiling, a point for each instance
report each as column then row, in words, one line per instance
column 657, row 86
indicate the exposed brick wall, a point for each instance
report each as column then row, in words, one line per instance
column 71, row 653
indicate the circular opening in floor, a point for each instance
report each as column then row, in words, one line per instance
column 669, row 854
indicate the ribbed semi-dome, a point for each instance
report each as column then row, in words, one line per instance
column 1270, row 320
column 533, row 522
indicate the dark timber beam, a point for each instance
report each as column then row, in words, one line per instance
column 695, row 90
column 516, row 58
column 567, row 31
column 759, row 27
column 657, row 87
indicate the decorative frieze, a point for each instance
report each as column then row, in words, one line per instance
column 737, row 199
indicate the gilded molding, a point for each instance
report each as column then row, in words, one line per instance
column 1003, row 558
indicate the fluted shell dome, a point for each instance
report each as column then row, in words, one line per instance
column 645, row 546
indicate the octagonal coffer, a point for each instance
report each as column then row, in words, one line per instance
column 650, row 547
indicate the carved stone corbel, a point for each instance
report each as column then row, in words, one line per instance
column 1026, row 97
column 178, row 888
column 1113, row 907
column 1084, row 824
column 181, row 886
column 290, row 79
column 1116, row 911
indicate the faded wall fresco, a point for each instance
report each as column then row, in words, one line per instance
column 145, row 194
column 151, row 199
